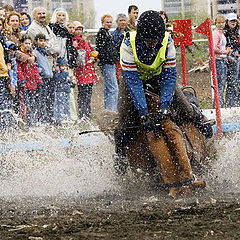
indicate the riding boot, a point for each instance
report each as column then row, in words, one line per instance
column 187, row 111
column 120, row 156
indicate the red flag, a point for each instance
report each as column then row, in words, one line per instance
column 204, row 28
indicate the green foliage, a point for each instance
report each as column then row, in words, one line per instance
column 86, row 18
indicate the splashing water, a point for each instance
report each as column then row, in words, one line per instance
column 83, row 169
column 226, row 168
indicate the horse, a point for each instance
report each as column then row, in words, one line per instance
column 154, row 154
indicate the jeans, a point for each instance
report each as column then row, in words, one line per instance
column 47, row 100
column 233, row 82
column 61, row 107
column 32, row 105
column 84, row 100
column 221, row 67
column 110, row 87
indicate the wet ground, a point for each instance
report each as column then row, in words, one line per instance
column 150, row 218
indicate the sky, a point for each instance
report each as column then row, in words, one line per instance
column 114, row 7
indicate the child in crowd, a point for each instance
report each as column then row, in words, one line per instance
column 85, row 73
column 62, row 81
column 45, row 71
column 33, row 81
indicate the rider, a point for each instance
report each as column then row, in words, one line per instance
column 148, row 60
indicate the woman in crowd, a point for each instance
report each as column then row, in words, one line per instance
column 12, row 28
column 26, row 21
column 233, row 81
column 85, row 73
column 221, row 52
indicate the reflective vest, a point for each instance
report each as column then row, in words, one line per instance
column 145, row 71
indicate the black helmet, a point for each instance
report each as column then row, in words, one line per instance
column 150, row 26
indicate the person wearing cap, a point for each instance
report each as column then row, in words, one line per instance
column 221, row 52
column 108, row 56
column 148, row 60
column 233, row 41
column 117, row 36
column 85, row 73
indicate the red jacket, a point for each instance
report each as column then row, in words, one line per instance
column 85, row 74
column 30, row 73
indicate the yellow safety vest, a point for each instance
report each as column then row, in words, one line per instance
column 145, row 71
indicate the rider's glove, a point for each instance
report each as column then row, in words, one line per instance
column 147, row 124
column 163, row 114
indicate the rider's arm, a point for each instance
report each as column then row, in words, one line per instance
column 134, row 83
column 169, row 76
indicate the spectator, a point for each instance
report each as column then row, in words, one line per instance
column 71, row 51
column 85, row 74
column 12, row 66
column 39, row 25
column 32, row 82
column 118, row 35
column 221, row 51
column 132, row 17
column 26, row 21
column 233, row 81
column 108, row 57
column 2, row 14
column 46, row 73
column 12, row 28
column 62, row 82
column 4, row 95
column 8, row 9
column 58, row 24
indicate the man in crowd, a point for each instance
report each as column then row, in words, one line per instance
column 118, row 35
column 148, row 60
column 39, row 25
column 132, row 17
column 108, row 57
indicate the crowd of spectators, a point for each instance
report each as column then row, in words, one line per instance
column 41, row 63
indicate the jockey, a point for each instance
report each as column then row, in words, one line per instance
column 148, row 60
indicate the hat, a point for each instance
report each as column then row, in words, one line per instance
column 77, row 24
column 11, row 45
column 61, row 61
column 231, row 16
column 150, row 26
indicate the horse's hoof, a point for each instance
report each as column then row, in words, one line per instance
column 198, row 184
column 177, row 192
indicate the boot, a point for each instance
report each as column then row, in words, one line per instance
column 201, row 123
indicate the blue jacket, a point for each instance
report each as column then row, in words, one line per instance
column 62, row 82
column 42, row 63
column 117, row 36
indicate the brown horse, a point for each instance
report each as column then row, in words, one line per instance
column 155, row 155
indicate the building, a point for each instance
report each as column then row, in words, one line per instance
column 82, row 8
column 191, row 7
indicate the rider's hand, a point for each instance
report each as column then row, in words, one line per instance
column 147, row 123
column 163, row 114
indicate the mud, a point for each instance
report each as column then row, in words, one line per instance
column 113, row 218
column 123, row 209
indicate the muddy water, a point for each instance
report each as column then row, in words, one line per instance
column 72, row 192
